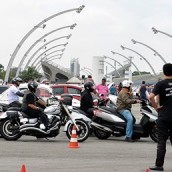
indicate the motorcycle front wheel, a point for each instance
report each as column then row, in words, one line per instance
column 154, row 133
column 82, row 133
column 9, row 130
column 100, row 134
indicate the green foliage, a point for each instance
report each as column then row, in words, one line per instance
column 137, row 73
column 30, row 74
column 2, row 72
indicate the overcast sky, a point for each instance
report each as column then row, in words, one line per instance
column 102, row 27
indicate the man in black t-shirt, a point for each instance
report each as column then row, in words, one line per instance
column 31, row 109
column 164, row 108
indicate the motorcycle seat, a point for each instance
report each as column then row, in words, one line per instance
column 14, row 109
column 114, row 112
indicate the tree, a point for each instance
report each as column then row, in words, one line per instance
column 142, row 73
column 30, row 74
column 2, row 72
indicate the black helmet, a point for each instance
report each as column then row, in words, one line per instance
column 32, row 86
column 16, row 80
column 89, row 86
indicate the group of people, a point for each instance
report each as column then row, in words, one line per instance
column 162, row 90
column 163, row 105
column 29, row 102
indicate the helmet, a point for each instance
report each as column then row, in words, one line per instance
column 89, row 86
column 127, row 83
column 16, row 80
column 32, row 86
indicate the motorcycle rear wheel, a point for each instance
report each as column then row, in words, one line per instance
column 6, row 131
column 100, row 134
column 154, row 134
column 84, row 130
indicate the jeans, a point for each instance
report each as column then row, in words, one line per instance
column 128, row 116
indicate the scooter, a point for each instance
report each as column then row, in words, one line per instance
column 107, row 121
column 14, row 123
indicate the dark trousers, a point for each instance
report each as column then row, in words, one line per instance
column 15, row 104
column 37, row 114
column 90, row 113
column 164, row 131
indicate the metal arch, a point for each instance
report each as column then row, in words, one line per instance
column 48, row 50
column 115, row 61
column 128, row 60
column 141, row 57
column 149, row 48
column 112, row 66
column 37, row 64
column 31, row 58
column 78, row 10
column 156, row 31
column 33, row 45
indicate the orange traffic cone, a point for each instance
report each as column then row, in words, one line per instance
column 73, row 141
column 23, row 168
column 147, row 170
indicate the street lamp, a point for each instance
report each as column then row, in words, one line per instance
column 42, row 38
column 78, row 10
column 128, row 60
column 134, row 42
column 156, row 31
column 123, row 48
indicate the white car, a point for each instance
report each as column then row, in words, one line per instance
column 43, row 91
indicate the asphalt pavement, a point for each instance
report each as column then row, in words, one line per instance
column 93, row 155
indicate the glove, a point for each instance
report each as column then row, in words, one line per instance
column 40, row 109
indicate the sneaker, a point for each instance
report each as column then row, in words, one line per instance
column 129, row 139
column 156, row 168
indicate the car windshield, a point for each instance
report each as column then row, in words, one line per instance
column 2, row 89
column 58, row 90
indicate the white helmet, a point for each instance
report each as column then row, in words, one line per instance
column 126, row 83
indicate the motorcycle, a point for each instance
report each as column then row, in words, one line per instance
column 14, row 123
column 107, row 121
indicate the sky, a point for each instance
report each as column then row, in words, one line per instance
column 102, row 27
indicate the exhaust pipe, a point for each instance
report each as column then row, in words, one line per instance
column 33, row 128
column 28, row 125
column 93, row 124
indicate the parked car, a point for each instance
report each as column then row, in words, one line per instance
column 71, row 89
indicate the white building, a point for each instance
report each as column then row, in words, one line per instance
column 75, row 67
column 98, row 69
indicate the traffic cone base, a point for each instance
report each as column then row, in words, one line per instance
column 73, row 141
column 23, row 168
column 147, row 170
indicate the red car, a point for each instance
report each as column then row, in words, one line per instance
column 73, row 90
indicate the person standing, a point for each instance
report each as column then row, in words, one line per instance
column 164, row 108
column 102, row 89
column 142, row 91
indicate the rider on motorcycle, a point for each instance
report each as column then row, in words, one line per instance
column 31, row 109
column 87, row 99
column 14, row 93
column 124, row 104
